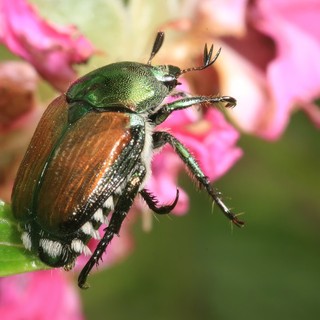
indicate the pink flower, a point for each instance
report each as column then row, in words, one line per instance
column 294, row 74
column 269, row 61
column 51, row 49
column 18, row 83
column 39, row 295
column 19, row 114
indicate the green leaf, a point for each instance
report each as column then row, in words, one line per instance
column 14, row 258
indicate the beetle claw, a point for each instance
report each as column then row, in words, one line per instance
column 152, row 202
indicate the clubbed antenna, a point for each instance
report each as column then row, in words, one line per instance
column 157, row 45
column 207, row 60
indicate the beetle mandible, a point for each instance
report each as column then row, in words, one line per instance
column 91, row 155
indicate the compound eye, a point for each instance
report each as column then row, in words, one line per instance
column 171, row 84
column 169, row 78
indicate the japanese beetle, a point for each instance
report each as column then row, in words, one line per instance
column 91, row 155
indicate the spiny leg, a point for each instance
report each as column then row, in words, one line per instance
column 152, row 202
column 120, row 212
column 160, row 138
column 162, row 114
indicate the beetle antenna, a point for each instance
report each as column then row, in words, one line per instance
column 207, row 60
column 156, row 46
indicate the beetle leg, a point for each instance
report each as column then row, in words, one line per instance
column 152, row 202
column 120, row 212
column 160, row 138
column 165, row 110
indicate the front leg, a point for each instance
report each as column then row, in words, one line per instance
column 162, row 114
column 160, row 138
column 120, row 212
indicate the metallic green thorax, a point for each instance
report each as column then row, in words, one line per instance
column 139, row 87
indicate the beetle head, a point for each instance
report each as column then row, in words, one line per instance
column 168, row 74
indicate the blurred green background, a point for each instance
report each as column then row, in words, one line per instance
column 196, row 267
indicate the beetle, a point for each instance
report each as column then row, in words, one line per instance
column 91, row 155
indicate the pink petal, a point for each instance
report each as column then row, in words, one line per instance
column 222, row 143
column 18, row 84
column 242, row 69
column 19, row 114
column 39, row 295
column 313, row 111
column 50, row 48
column 294, row 76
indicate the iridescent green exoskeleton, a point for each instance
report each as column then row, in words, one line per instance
column 91, row 155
